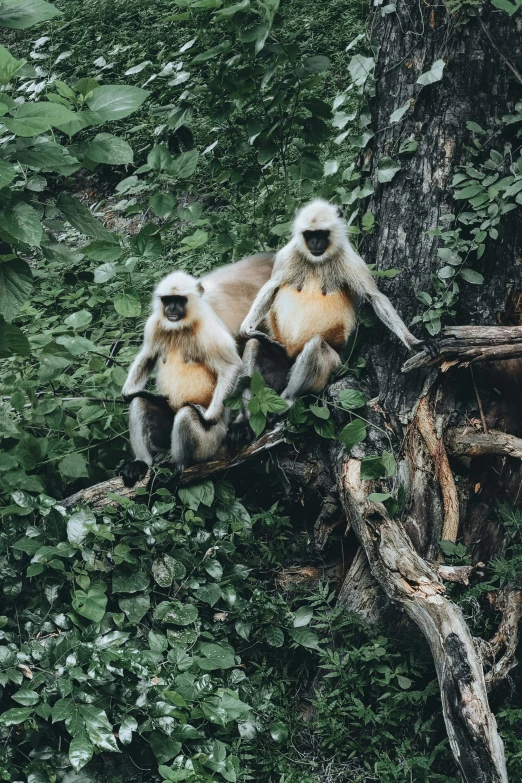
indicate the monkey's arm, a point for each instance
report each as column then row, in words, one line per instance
column 140, row 369
column 226, row 382
column 260, row 307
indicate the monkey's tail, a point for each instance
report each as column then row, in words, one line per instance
column 159, row 400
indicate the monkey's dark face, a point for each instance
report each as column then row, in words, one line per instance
column 174, row 307
column 317, row 242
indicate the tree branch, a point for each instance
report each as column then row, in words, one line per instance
column 416, row 587
column 97, row 495
column 466, row 442
column 509, row 602
column 469, row 344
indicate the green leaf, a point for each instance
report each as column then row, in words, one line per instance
column 379, row 497
column 9, row 65
column 13, row 341
column 116, row 101
column 162, row 204
column 257, row 423
column 184, row 165
column 31, row 119
column 22, row 222
column 129, row 581
column 80, row 751
column 305, row 637
column 177, row 613
column 213, row 568
column 351, row 399
column 20, row 14
column 159, row 158
column 91, row 605
column 128, row 725
column 7, row 173
column 433, row 75
column 15, row 716
column 165, row 570
column 209, row 54
column 303, row 616
column 353, row 433
column 322, row 412
column 195, row 240
column 398, row 114
column 216, row 657
column 106, row 148
column 388, row 460
column 278, row 731
column 128, row 305
column 163, row 747
column 26, row 697
column 506, row 5
column 404, row 682
column 82, row 219
column 387, row 168
column 372, row 468
column 231, row 10
column 73, row 466
column 468, row 192
column 79, row 525
column 361, row 68
column 135, row 607
column 274, row 636
column 102, row 251
column 317, row 63
column 79, row 320
column 470, row 276
column 16, row 283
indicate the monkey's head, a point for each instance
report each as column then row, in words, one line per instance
column 177, row 300
column 319, row 230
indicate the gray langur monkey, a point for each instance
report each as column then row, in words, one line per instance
column 309, row 306
column 197, row 367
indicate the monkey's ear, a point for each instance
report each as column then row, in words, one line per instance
column 200, row 288
column 340, row 212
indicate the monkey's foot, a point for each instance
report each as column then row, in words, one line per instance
column 239, row 434
column 133, row 472
column 168, row 478
column 431, row 347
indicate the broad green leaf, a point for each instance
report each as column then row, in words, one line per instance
column 506, row 5
column 79, row 525
column 102, row 251
column 215, row 657
column 79, row 320
column 15, row 716
column 353, row 433
column 16, row 283
column 404, row 682
column 470, row 276
column 13, row 340
column 372, row 468
column 30, row 119
column 305, row 637
column 106, row 148
column 135, row 607
column 159, row 158
column 128, row 725
column 184, row 165
column 361, row 68
column 90, row 605
column 278, row 731
column 351, row 399
column 104, row 273
column 46, row 155
column 162, row 204
column 209, row 54
column 128, row 305
column 26, row 697
column 195, row 240
column 7, row 173
column 433, row 75
column 9, row 65
column 388, row 460
column 303, row 616
column 274, row 636
column 231, row 10
column 73, row 466
column 23, row 223
column 163, row 747
column 398, row 114
column 129, row 581
column 116, row 101
column 322, row 412
column 177, row 613
column 165, row 570
column 82, row 219
column 80, row 751
column 20, row 14
column 387, row 168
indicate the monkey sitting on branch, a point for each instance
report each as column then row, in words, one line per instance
column 303, row 316
column 197, row 367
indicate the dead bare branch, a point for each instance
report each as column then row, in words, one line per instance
column 98, row 495
column 509, row 602
column 412, row 583
column 463, row 345
column 466, row 442
column 459, row 574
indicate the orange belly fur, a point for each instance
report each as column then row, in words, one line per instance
column 297, row 316
column 184, row 382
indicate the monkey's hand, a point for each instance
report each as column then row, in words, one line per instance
column 255, row 334
column 429, row 346
column 206, row 416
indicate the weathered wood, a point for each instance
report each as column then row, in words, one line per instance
column 464, row 345
column 467, row 442
column 97, row 495
column 413, row 584
column 459, row 574
column 509, row 602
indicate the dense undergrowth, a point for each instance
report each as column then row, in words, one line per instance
column 162, row 638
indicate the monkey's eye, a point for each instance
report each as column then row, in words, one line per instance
column 317, row 241
column 174, row 307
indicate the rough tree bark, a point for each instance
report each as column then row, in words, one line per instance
column 423, row 409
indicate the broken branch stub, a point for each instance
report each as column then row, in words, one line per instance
column 412, row 583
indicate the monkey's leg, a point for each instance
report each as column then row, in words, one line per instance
column 150, row 426
column 312, row 369
column 194, row 440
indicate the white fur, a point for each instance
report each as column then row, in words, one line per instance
column 318, row 215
